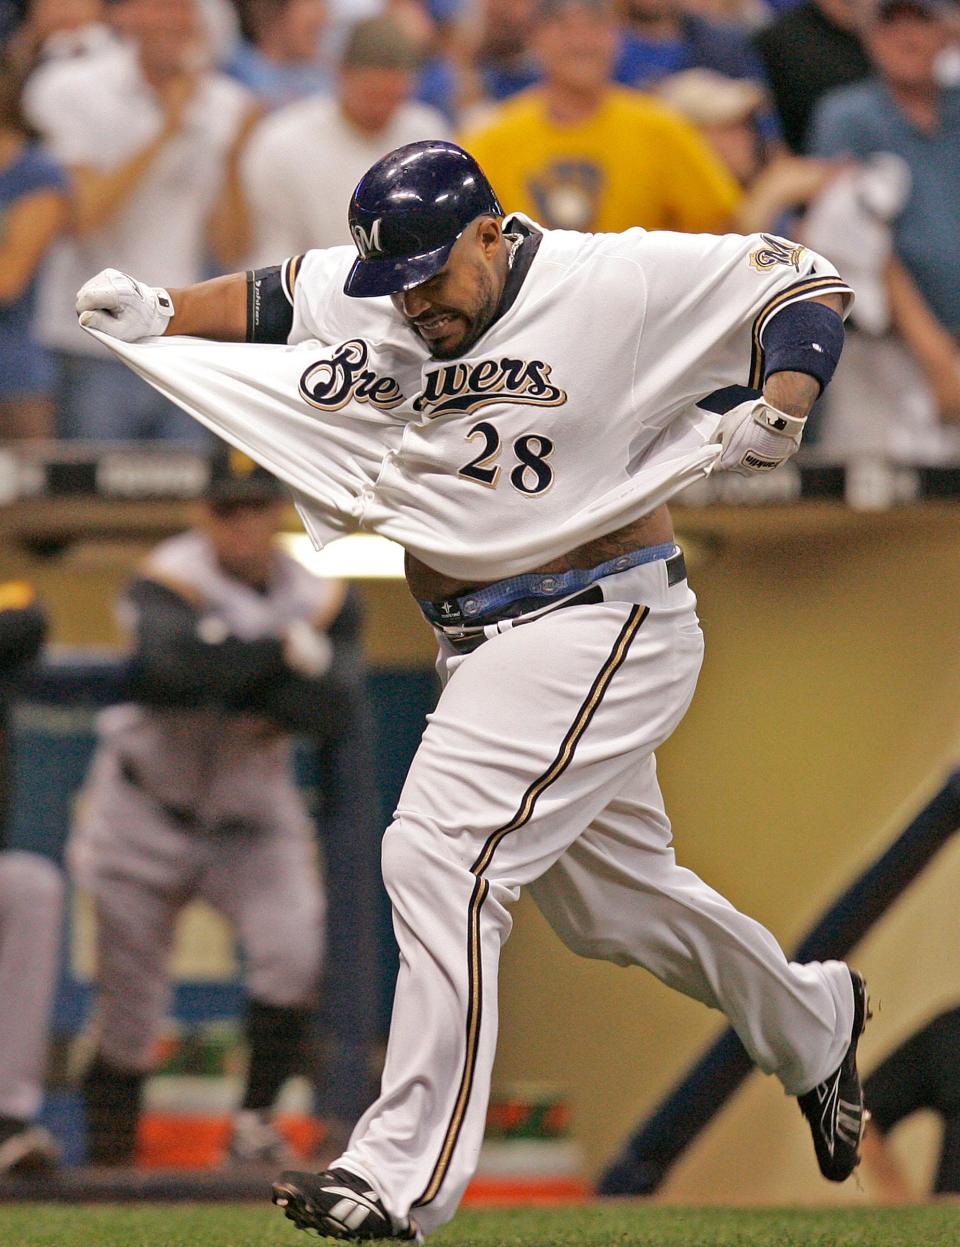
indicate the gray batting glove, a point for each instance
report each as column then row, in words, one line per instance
column 126, row 309
column 757, row 437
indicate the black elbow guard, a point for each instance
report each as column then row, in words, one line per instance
column 804, row 337
column 269, row 304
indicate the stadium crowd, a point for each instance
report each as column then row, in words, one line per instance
column 180, row 138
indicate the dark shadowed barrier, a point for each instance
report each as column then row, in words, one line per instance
column 659, row 1141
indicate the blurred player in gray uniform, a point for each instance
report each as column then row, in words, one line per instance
column 516, row 406
column 31, row 911
column 191, row 794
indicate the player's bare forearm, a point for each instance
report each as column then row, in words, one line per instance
column 791, row 392
column 211, row 309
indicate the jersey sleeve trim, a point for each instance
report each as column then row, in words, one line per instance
column 288, row 276
column 805, row 289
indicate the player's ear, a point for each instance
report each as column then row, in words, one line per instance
column 489, row 234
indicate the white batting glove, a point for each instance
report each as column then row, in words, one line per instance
column 126, row 309
column 305, row 650
column 757, row 437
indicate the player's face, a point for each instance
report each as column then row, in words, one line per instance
column 451, row 310
column 243, row 537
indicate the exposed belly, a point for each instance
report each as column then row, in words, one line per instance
column 650, row 530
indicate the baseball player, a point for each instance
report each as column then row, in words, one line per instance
column 190, row 793
column 31, row 914
column 516, row 406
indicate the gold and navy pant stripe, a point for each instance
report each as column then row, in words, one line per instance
column 481, row 888
column 805, row 289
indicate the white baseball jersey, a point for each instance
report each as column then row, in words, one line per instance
column 575, row 413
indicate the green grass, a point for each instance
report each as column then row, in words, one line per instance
column 607, row 1225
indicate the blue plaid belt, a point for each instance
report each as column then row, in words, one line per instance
column 518, row 595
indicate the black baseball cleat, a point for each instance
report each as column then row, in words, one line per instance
column 26, row 1148
column 338, row 1204
column 834, row 1108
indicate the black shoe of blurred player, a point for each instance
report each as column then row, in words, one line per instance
column 834, row 1108
column 25, row 1148
column 338, row 1204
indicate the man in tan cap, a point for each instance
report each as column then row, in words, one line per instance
column 304, row 161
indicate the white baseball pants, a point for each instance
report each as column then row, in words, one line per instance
column 537, row 769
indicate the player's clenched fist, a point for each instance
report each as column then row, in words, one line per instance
column 757, row 437
column 122, row 307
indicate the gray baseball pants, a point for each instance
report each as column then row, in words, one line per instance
column 141, row 869
column 31, row 913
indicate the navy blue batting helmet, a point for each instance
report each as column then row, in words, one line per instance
column 407, row 212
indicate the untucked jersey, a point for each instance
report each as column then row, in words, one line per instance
column 633, row 162
column 218, row 765
column 578, row 411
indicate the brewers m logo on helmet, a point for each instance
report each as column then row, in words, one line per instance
column 368, row 243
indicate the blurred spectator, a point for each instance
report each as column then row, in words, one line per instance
column 662, row 37
column 280, row 58
column 923, row 1073
column 302, row 163
column 191, row 793
column 747, row 14
column 727, row 113
column 903, row 109
column 435, row 28
column 31, row 908
column 33, row 210
column 901, row 119
column 10, row 17
column 807, row 51
column 579, row 152
column 221, row 29
column 151, row 137
column 500, row 58
column 59, row 28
